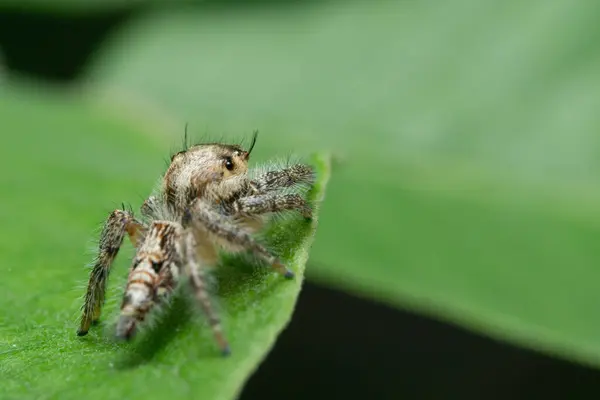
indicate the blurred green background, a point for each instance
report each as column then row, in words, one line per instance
column 465, row 136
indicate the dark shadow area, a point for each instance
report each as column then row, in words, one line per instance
column 338, row 346
column 53, row 47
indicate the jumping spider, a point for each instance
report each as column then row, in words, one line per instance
column 206, row 201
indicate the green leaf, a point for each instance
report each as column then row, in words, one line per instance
column 467, row 133
column 66, row 165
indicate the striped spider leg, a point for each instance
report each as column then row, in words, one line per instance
column 118, row 224
column 167, row 254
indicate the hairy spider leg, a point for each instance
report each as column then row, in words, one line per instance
column 272, row 202
column 204, row 217
column 118, row 224
column 152, row 277
column 275, row 180
column 198, row 278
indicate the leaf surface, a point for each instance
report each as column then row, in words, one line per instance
column 66, row 167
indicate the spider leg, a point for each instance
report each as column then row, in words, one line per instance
column 274, row 180
column 149, row 207
column 152, row 277
column 204, row 217
column 116, row 226
column 272, row 202
column 197, row 278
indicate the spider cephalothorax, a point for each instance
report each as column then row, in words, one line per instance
column 206, row 201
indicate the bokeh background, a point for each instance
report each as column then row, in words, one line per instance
column 457, row 248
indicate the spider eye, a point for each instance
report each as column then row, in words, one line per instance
column 228, row 163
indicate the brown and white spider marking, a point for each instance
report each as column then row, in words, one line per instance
column 206, row 201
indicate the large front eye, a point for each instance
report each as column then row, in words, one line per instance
column 228, row 163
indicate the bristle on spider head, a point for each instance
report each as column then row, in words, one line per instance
column 254, row 137
column 185, row 137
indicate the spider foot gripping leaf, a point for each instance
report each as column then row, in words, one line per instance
column 206, row 201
